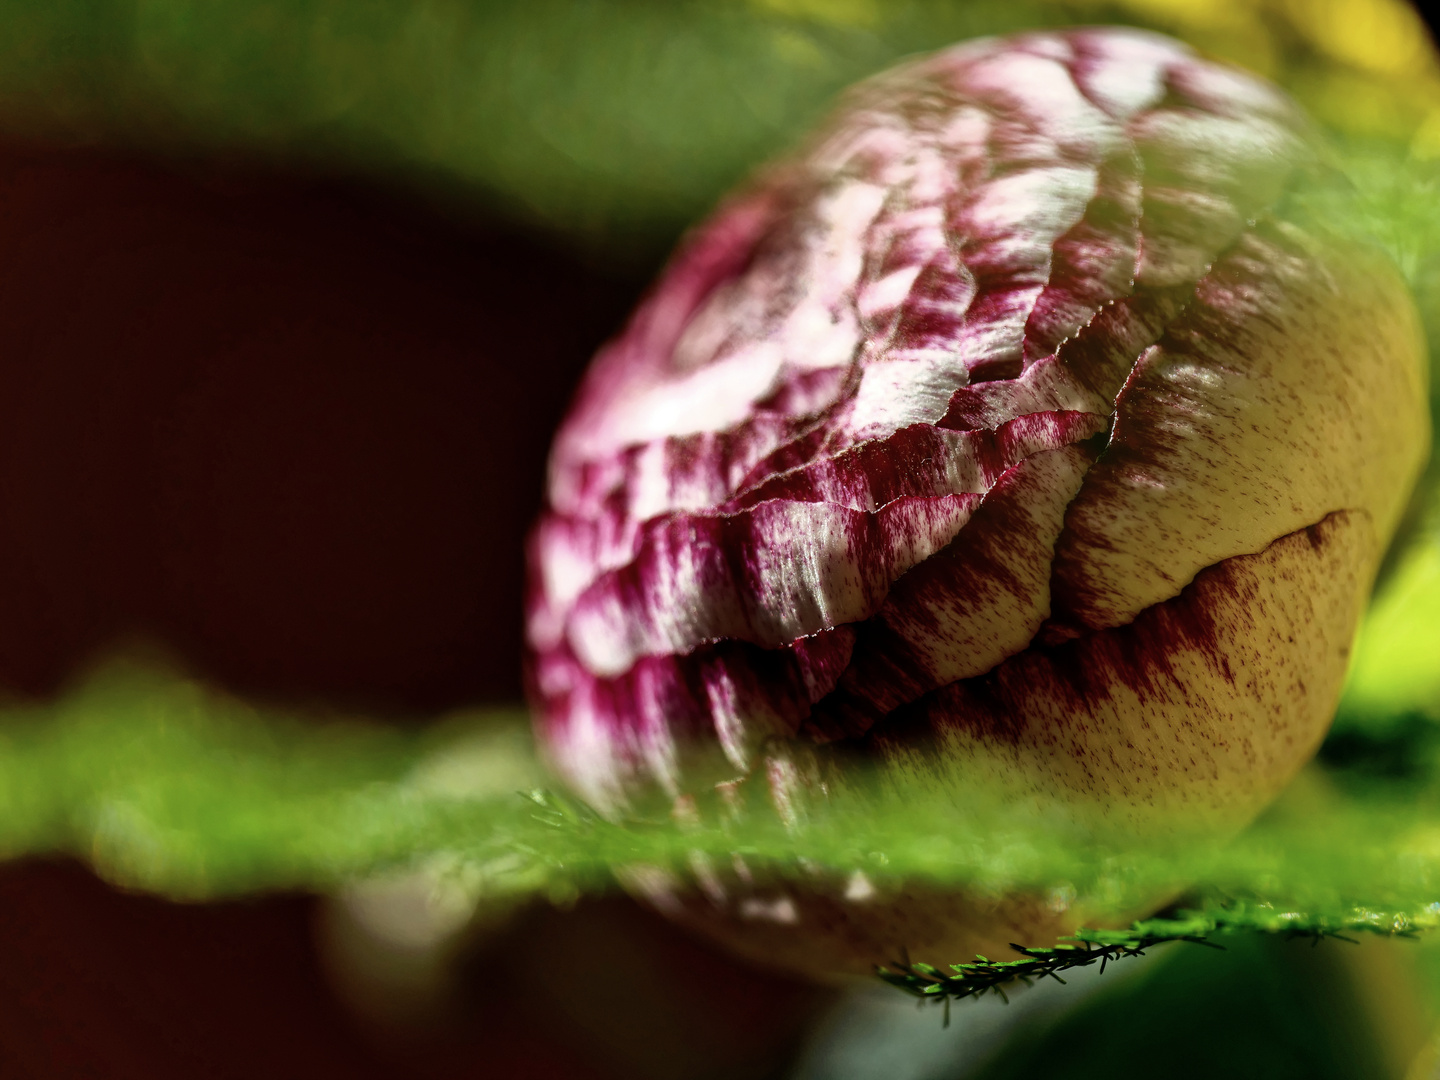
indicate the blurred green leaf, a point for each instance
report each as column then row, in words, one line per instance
column 165, row 785
column 1396, row 667
column 1262, row 1009
column 616, row 122
column 612, row 120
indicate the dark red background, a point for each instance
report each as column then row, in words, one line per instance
column 295, row 431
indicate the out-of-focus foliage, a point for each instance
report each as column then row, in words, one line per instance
column 1363, row 67
column 165, row 785
column 1396, row 666
column 613, row 121
column 1260, row 1007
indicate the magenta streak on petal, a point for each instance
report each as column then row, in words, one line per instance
column 713, row 254
column 907, row 237
column 1043, row 116
column 934, row 312
column 1085, row 374
column 1205, row 175
column 1225, row 91
column 921, row 460
column 1078, row 674
column 567, row 554
column 1094, row 263
column 1153, row 444
column 1009, row 230
column 1044, row 387
column 967, row 608
column 680, row 472
column 820, row 473
column 1121, row 72
column 795, row 454
column 803, row 394
column 1104, row 352
column 603, row 735
column 767, row 575
column 600, row 513
column 1073, row 681
column 593, row 536
column 765, row 357
column 733, row 694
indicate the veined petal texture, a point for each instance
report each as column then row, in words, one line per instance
column 926, row 432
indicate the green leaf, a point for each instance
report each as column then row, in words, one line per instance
column 168, row 786
column 616, row 122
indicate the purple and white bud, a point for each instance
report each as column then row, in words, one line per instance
column 1018, row 423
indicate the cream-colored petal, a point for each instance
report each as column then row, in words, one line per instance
column 966, row 608
column 1192, row 717
column 1293, row 387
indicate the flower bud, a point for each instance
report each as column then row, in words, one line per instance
column 1020, row 424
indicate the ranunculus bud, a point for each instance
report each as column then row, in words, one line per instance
column 1021, row 424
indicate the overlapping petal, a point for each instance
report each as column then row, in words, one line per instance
column 1025, row 343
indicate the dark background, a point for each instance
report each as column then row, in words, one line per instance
column 294, row 430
